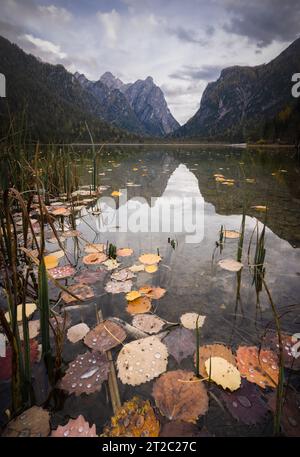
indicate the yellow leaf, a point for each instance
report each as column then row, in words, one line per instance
column 29, row 310
column 223, row 373
column 133, row 295
column 51, row 261
column 151, row 268
column 149, row 259
column 115, row 193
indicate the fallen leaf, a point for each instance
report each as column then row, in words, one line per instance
column 115, row 193
column 58, row 254
column 33, row 329
column 261, row 208
column 290, row 416
column 270, row 340
column 29, row 310
column 6, row 362
column 230, row 265
column 85, row 374
column 105, row 336
column 151, row 268
column 77, row 332
column 82, row 291
column 231, row 234
column 95, row 258
column 122, row 275
column 142, row 360
column 118, row 287
column 178, row 429
column 135, row 418
column 61, row 212
column 260, row 367
column 189, row 320
column 133, row 295
column 213, row 350
column 90, row 276
column 181, row 343
column 152, row 292
column 111, row 264
column 139, row 305
column 148, row 323
column 124, row 252
column 77, row 428
column 179, row 395
column 149, row 259
column 246, row 404
column 223, row 373
column 62, row 272
column 34, row 422
column 51, row 261
column 137, row 268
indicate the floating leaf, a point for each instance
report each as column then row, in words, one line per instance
column 34, row 422
column 77, row 332
column 151, row 268
column 260, row 367
column 95, row 258
column 90, row 276
column 6, row 362
column 124, row 252
column 85, row 374
column 51, row 261
column 223, row 373
column 137, row 268
column 271, row 341
column 33, row 329
column 230, row 265
column 77, row 428
column 116, row 193
column 62, row 272
column 139, row 305
column 71, row 233
column 177, row 429
column 61, row 212
column 111, row 264
column 213, row 350
column 148, row 323
column 133, row 295
column 122, row 275
column 149, row 259
column 82, row 291
column 118, row 287
column 105, row 336
column 29, row 310
column 189, row 320
column 290, row 417
column 179, row 395
column 94, row 248
column 58, row 254
column 152, row 292
column 246, row 404
column 231, row 234
column 135, row 418
column 260, row 208
column 142, row 360
column 180, row 343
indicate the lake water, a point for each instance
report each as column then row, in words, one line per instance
column 236, row 313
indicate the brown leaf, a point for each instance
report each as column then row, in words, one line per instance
column 82, row 291
column 85, row 374
column 105, row 336
column 90, row 276
column 94, row 258
column 62, row 272
column 79, row 428
column 34, row 422
column 290, row 417
column 179, row 395
column 213, row 350
column 140, row 305
column 135, row 418
column 271, row 341
column 177, row 429
column 260, row 367
column 148, row 323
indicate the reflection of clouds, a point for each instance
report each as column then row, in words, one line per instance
column 178, row 210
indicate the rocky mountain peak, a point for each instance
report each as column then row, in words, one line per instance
column 111, row 81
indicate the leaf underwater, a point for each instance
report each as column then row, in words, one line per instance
column 82, row 291
column 181, row 343
column 179, row 395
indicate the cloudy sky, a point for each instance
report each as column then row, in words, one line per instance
column 183, row 44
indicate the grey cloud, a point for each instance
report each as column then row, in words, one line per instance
column 263, row 22
column 190, row 73
column 190, row 36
